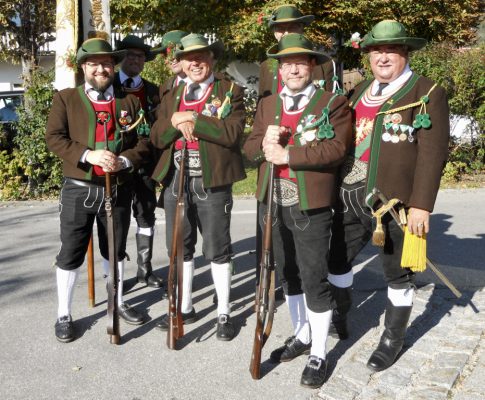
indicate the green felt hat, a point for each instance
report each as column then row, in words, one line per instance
column 289, row 13
column 390, row 32
column 171, row 39
column 196, row 42
column 98, row 47
column 295, row 44
column 135, row 42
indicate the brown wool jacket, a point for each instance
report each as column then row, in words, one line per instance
column 219, row 139
column 315, row 164
column 410, row 171
column 167, row 86
column 268, row 77
column 71, row 130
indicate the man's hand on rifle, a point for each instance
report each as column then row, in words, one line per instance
column 105, row 159
column 184, row 122
column 418, row 221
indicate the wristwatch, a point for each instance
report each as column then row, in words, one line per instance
column 195, row 115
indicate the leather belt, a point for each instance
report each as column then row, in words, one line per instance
column 97, row 181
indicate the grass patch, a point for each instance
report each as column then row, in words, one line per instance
column 246, row 187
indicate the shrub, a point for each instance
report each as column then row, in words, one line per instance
column 31, row 170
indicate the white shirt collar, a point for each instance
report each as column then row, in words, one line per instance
column 199, row 93
column 396, row 83
column 307, row 93
column 136, row 79
column 93, row 93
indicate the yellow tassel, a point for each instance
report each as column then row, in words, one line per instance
column 413, row 252
column 379, row 236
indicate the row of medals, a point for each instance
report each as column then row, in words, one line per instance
column 394, row 122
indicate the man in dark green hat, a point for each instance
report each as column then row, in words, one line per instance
column 170, row 41
column 400, row 147
column 288, row 19
column 128, row 80
column 305, row 132
column 78, row 122
column 206, row 116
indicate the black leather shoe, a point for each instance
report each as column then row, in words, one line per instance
column 225, row 328
column 130, row 315
column 188, row 318
column 64, row 329
column 153, row 281
column 292, row 348
column 313, row 375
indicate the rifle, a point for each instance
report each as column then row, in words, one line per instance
column 265, row 291
column 113, row 327
column 176, row 268
column 377, row 193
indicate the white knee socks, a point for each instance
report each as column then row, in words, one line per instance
column 187, row 286
column 121, row 268
column 65, row 288
column 319, row 323
column 221, row 275
column 299, row 318
column 400, row 297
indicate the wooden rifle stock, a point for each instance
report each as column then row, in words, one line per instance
column 176, row 268
column 265, row 291
column 113, row 327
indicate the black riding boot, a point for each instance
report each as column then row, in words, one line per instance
column 144, row 246
column 343, row 298
column 392, row 340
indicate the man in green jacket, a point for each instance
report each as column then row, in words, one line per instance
column 206, row 116
column 76, row 133
column 400, row 148
column 305, row 132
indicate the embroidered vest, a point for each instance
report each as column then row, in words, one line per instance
column 109, row 107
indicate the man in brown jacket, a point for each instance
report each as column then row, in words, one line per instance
column 288, row 19
column 128, row 79
column 206, row 116
column 75, row 132
column 305, row 132
column 400, row 148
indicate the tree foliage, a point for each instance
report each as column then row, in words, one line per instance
column 26, row 25
column 242, row 24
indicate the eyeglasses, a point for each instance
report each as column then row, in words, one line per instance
column 104, row 65
column 132, row 55
column 298, row 65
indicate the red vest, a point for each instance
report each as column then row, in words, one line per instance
column 290, row 120
column 198, row 106
column 108, row 107
column 364, row 124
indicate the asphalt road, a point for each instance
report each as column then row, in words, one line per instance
column 34, row 365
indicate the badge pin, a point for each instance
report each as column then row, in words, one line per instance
column 386, row 136
column 396, row 118
column 310, row 135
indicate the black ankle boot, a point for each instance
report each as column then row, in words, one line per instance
column 144, row 246
column 392, row 340
column 343, row 298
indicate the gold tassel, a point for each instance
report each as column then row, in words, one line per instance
column 414, row 251
column 379, row 236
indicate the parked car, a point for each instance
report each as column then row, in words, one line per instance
column 9, row 102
